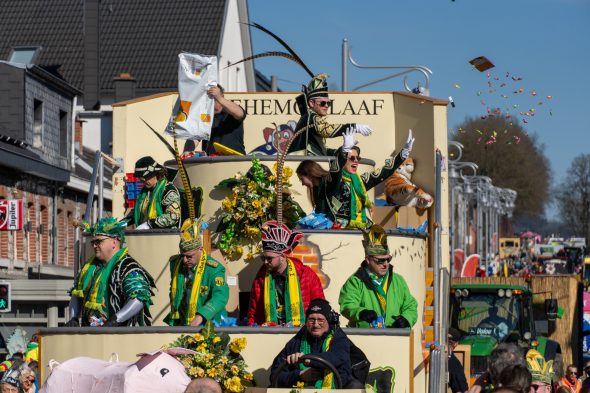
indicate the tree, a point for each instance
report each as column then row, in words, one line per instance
column 573, row 196
column 512, row 158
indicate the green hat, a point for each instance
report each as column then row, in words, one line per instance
column 541, row 370
column 316, row 88
column 190, row 235
column 108, row 226
column 375, row 241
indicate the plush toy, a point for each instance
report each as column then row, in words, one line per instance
column 400, row 190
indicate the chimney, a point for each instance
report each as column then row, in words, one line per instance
column 78, row 133
column 91, row 46
column 124, row 87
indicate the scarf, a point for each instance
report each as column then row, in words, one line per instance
column 358, row 200
column 99, row 293
column 328, row 381
column 381, row 284
column 85, row 277
column 177, row 290
column 154, row 204
column 293, row 303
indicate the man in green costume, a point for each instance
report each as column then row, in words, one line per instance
column 198, row 289
column 375, row 295
column 158, row 204
column 112, row 289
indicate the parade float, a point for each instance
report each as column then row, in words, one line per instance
column 399, row 357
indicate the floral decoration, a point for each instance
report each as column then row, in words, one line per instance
column 252, row 202
column 218, row 358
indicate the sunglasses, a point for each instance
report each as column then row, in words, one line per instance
column 97, row 242
column 324, row 104
column 354, row 158
column 382, row 261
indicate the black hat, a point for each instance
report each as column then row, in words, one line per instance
column 319, row 306
column 316, row 88
column 146, row 167
column 454, row 335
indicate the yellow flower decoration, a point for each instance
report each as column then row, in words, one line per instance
column 224, row 360
column 200, row 372
column 235, row 369
column 212, row 373
column 199, row 337
column 216, row 339
column 233, row 384
column 237, row 345
column 248, row 377
column 300, row 384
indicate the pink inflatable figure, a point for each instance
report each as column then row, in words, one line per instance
column 157, row 371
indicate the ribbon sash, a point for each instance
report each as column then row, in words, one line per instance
column 178, row 289
column 327, row 382
column 154, row 203
column 98, row 297
column 381, row 291
column 85, row 278
column 293, row 301
column 358, row 198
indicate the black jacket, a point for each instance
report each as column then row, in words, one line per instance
column 338, row 354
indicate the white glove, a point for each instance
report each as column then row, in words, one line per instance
column 349, row 141
column 363, row 129
column 145, row 225
column 405, row 153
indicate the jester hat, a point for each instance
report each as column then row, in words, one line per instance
column 279, row 238
column 108, row 226
column 190, row 235
column 541, row 370
column 375, row 241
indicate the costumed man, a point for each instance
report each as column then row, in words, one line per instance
column 112, row 289
column 158, row 204
column 319, row 337
column 375, row 295
column 198, row 290
column 284, row 286
column 313, row 105
column 342, row 196
column 227, row 131
column 541, row 371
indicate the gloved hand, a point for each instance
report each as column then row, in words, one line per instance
column 112, row 322
column 368, row 316
column 363, row 129
column 143, row 226
column 400, row 322
column 405, row 153
column 349, row 141
column 73, row 323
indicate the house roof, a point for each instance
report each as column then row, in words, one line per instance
column 141, row 37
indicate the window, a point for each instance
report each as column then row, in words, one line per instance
column 37, row 124
column 63, row 134
column 24, row 55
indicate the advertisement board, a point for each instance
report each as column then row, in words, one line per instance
column 11, row 215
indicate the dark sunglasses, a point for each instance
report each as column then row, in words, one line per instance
column 381, row 261
column 324, row 104
column 97, row 242
column 354, row 158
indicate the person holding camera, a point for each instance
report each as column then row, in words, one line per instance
column 375, row 296
column 322, row 337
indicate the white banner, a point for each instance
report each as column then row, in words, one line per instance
column 11, row 215
column 192, row 117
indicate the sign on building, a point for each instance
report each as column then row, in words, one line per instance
column 11, row 215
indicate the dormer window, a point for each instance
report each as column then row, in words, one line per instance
column 24, row 54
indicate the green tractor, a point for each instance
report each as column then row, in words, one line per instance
column 489, row 314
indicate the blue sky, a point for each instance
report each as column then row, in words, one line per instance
column 541, row 41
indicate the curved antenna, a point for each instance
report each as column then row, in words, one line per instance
column 284, row 44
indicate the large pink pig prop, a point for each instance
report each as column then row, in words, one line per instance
column 157, row 371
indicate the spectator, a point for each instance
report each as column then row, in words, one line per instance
column 27, row 379
column 10, row 382
column 203, row 385
column 158, row 204
column 514, row 378
column 341, row 194
column 457, row 380
column 502, row 356
column 193, row 268
column 586, row 381
column 541, row 370
column 284, row 286
column 374, row 295
column 570, row 380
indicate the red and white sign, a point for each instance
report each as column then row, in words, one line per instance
column 11, row 215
